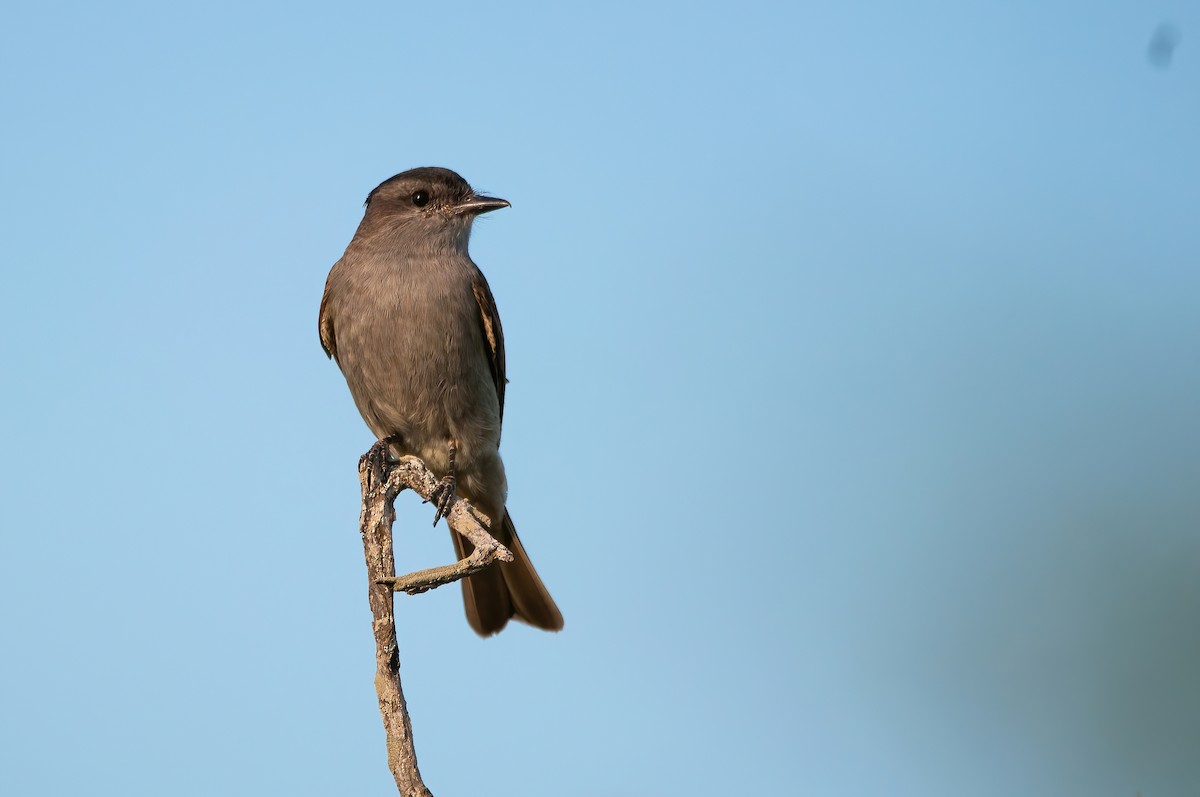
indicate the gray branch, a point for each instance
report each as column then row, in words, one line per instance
column 381, row 483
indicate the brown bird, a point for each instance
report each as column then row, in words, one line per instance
column 411, row 322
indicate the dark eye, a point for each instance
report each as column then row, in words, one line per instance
column 420, row 198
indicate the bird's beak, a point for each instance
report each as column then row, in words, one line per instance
column 480, row 204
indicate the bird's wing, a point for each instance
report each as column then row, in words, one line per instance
column 493, row 334
column 325, row 326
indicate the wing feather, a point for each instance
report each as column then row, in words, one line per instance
column 325, row 326
column 493, row 334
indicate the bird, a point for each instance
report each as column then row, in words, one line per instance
column 412, row 323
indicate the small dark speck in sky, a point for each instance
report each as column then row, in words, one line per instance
column 1163, row 44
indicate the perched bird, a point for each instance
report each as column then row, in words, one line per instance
column 411, row 322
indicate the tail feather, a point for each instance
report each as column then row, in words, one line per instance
column 484, row 594
column 507, row 589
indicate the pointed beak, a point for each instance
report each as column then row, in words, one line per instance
column 480, row 204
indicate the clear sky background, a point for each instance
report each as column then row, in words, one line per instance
column 854, row 417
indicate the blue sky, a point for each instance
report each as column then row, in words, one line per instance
column 852, row 417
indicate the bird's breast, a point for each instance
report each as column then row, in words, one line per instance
column 413, row 354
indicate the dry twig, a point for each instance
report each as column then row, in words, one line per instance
column 381, row 482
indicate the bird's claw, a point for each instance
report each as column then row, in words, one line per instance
column 443, row 497
column 377, row 459
column 379, row 456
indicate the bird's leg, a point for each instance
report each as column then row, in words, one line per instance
column 443, row 496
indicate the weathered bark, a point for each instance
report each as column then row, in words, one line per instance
column 381, row 482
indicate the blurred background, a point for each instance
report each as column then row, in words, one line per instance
column 853, row 417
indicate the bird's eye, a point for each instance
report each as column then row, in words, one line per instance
column 420, row 198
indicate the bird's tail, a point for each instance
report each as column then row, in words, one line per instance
column 506, row 589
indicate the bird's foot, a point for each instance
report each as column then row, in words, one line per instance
column 444, row 494
column 443, row 497
column 379, row 456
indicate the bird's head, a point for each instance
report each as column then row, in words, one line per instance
column 433, row 203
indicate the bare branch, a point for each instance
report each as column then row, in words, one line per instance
column 381, row 482
column 463, row 519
